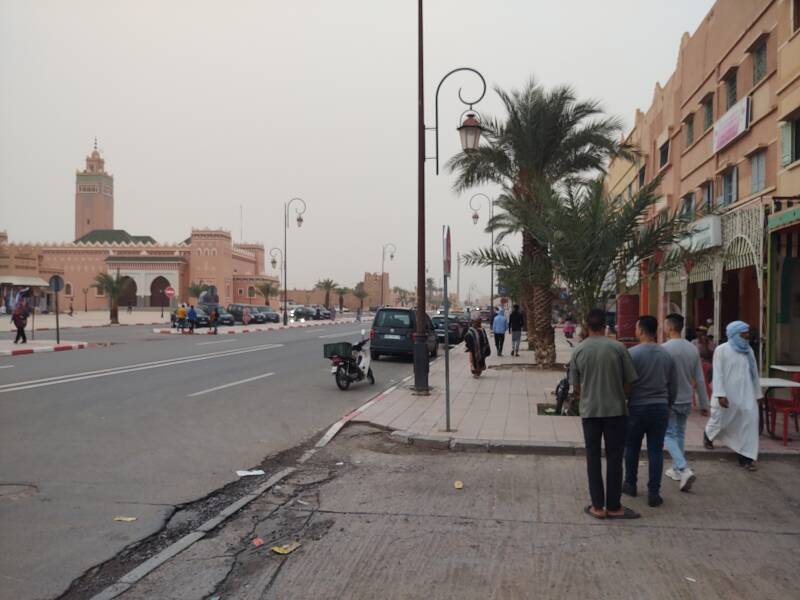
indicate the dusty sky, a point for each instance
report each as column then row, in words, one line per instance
column 202, row 106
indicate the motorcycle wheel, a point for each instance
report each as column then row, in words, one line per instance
column 342, row 380
column 370, row 377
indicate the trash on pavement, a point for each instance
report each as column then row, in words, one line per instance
column 286, row 548
column 257, row 542
column 339, row 464
column 124, row 519
column 250, row 473
column 302, row 502
column 458, row 484
column 691, row 579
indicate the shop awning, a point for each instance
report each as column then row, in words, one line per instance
column 23, row 281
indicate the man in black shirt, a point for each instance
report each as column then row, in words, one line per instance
column 516, row 322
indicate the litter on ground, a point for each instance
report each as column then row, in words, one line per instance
column 286, row 548
column 250, row 473
column 124, row 519
column 257, row 542
column 458, row 484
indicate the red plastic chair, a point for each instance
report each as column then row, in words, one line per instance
column 787, row 408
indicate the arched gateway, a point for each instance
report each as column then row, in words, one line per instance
column 157, row 295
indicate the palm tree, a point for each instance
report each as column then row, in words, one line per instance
column 402, row 294
column 546, row 136
column 595, row 240
column 328, row 285
column 195, row 289
column 360, row 293
column 342, row 292
column 267, row 289
column 114, row 288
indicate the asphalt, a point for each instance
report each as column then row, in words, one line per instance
column 133, row 427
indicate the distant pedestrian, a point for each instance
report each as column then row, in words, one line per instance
column 20, row 320
column 358, row 315
column 130, row 307
column 213, row 319
column 704, row 344
column 245, row 316
column 318, row 314
column 333, row 313
column 499, row 328
column 71, row 310
column 734, row 401
column 652, row 395
column 192, row 316
column 601, row 372
column 477, row 344
column 689, row 371
column 516, row 323
column 180, row 317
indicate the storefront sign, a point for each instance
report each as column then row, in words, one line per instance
column 704, row 233
column 732, row 124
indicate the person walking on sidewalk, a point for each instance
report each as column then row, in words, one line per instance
column 214, row 319
column 180, row 318
column 651, row 397
column 499, row 327
column 689, row 371
column 192, row 315
column 601, row 373
column 477, row 344
column 516, row 322
column 734, row 398
column 20, row 320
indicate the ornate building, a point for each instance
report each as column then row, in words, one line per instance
column 207, row 256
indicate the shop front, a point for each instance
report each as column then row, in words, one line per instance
column 784, row 284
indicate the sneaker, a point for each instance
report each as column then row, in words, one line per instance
column 707, row 443
column 629, row 490
column 687, row 479
column 673, row 474
column 654, row 500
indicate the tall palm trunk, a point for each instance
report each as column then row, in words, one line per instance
column 539, row 304
column 114, row 316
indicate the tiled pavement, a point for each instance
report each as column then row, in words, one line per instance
column 501, row 406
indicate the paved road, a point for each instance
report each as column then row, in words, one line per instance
column 142, row 424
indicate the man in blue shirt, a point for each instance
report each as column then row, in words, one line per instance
column 499, row 327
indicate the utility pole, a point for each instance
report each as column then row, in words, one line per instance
column 458, row 278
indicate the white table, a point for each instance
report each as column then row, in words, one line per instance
column 787, row 368
column 768, row 384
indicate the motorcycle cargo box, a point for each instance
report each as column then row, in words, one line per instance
column 343, row 349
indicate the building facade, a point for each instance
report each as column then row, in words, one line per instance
column 722, row 135
column 207, row 256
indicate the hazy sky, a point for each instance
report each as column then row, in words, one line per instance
column 202, row 106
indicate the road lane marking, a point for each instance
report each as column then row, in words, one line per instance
column 340, row 334
column 231, row 384
column 6, row 366
column 219, row 342
column 47, row 381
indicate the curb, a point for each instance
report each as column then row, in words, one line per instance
column 56, row 348
column 131, row 578
column 93, row 326
column 207, row 330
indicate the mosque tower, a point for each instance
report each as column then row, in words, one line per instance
column 94, row 196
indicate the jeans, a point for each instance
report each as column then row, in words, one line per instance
column 676, row 434
column 499, row 338
column 612, row 429
column 646, row 420
column 516, row 337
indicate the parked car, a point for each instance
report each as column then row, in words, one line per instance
column 237, row 310
column 301, row 313
column 392, row 333
column 202, row 318
column 454, row 325
column 486, row 315
column 324, row 313
column 270, row 315
column 224, row 317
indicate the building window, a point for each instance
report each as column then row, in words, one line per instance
column 729, row 184
column 796, row 15
column 708, row 112
column 68, row 289
column 759, row 62
column 790, row 142
column 689, row 125
column 687, row 206
column 241, row 292
column 663, row 154
column 730, row 90
column 758, row 171
column 641, row 177
column 708, row 196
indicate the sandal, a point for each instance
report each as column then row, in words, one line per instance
column 750, row 467
column 588, row 511
column 626, row 514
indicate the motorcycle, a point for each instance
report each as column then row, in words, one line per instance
column 349, row 362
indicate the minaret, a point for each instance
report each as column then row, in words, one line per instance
column 94, row 196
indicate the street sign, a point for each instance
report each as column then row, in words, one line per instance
column 56, row 283
column 502, row 290
column 448, row 255
column 169, row 291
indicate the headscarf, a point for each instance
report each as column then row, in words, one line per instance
column 741, row 345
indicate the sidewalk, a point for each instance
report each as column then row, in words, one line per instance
column 500, row 411
column 223, row 330
column 9, row 348
column 93, row 318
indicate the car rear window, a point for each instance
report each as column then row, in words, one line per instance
column 393, row 318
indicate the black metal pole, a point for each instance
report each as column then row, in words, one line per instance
column 491, row 267
column 421, row 337
column 285, row 275
column 383, row 261
column 58, row 329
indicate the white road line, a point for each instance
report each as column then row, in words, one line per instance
column 35, row 383
column 6, row 366
column 227, row 385
column 340, row 334
column 219, row 342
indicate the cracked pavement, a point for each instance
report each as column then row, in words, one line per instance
column 376, row 519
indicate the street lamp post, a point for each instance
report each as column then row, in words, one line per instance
column 383, row 260
column 469, row 132
column 299, row 211
column 274, row 252
column 475, row 217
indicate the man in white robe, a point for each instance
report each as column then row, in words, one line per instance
column 735, row 393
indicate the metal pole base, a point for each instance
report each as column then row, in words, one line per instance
column 421, row 366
